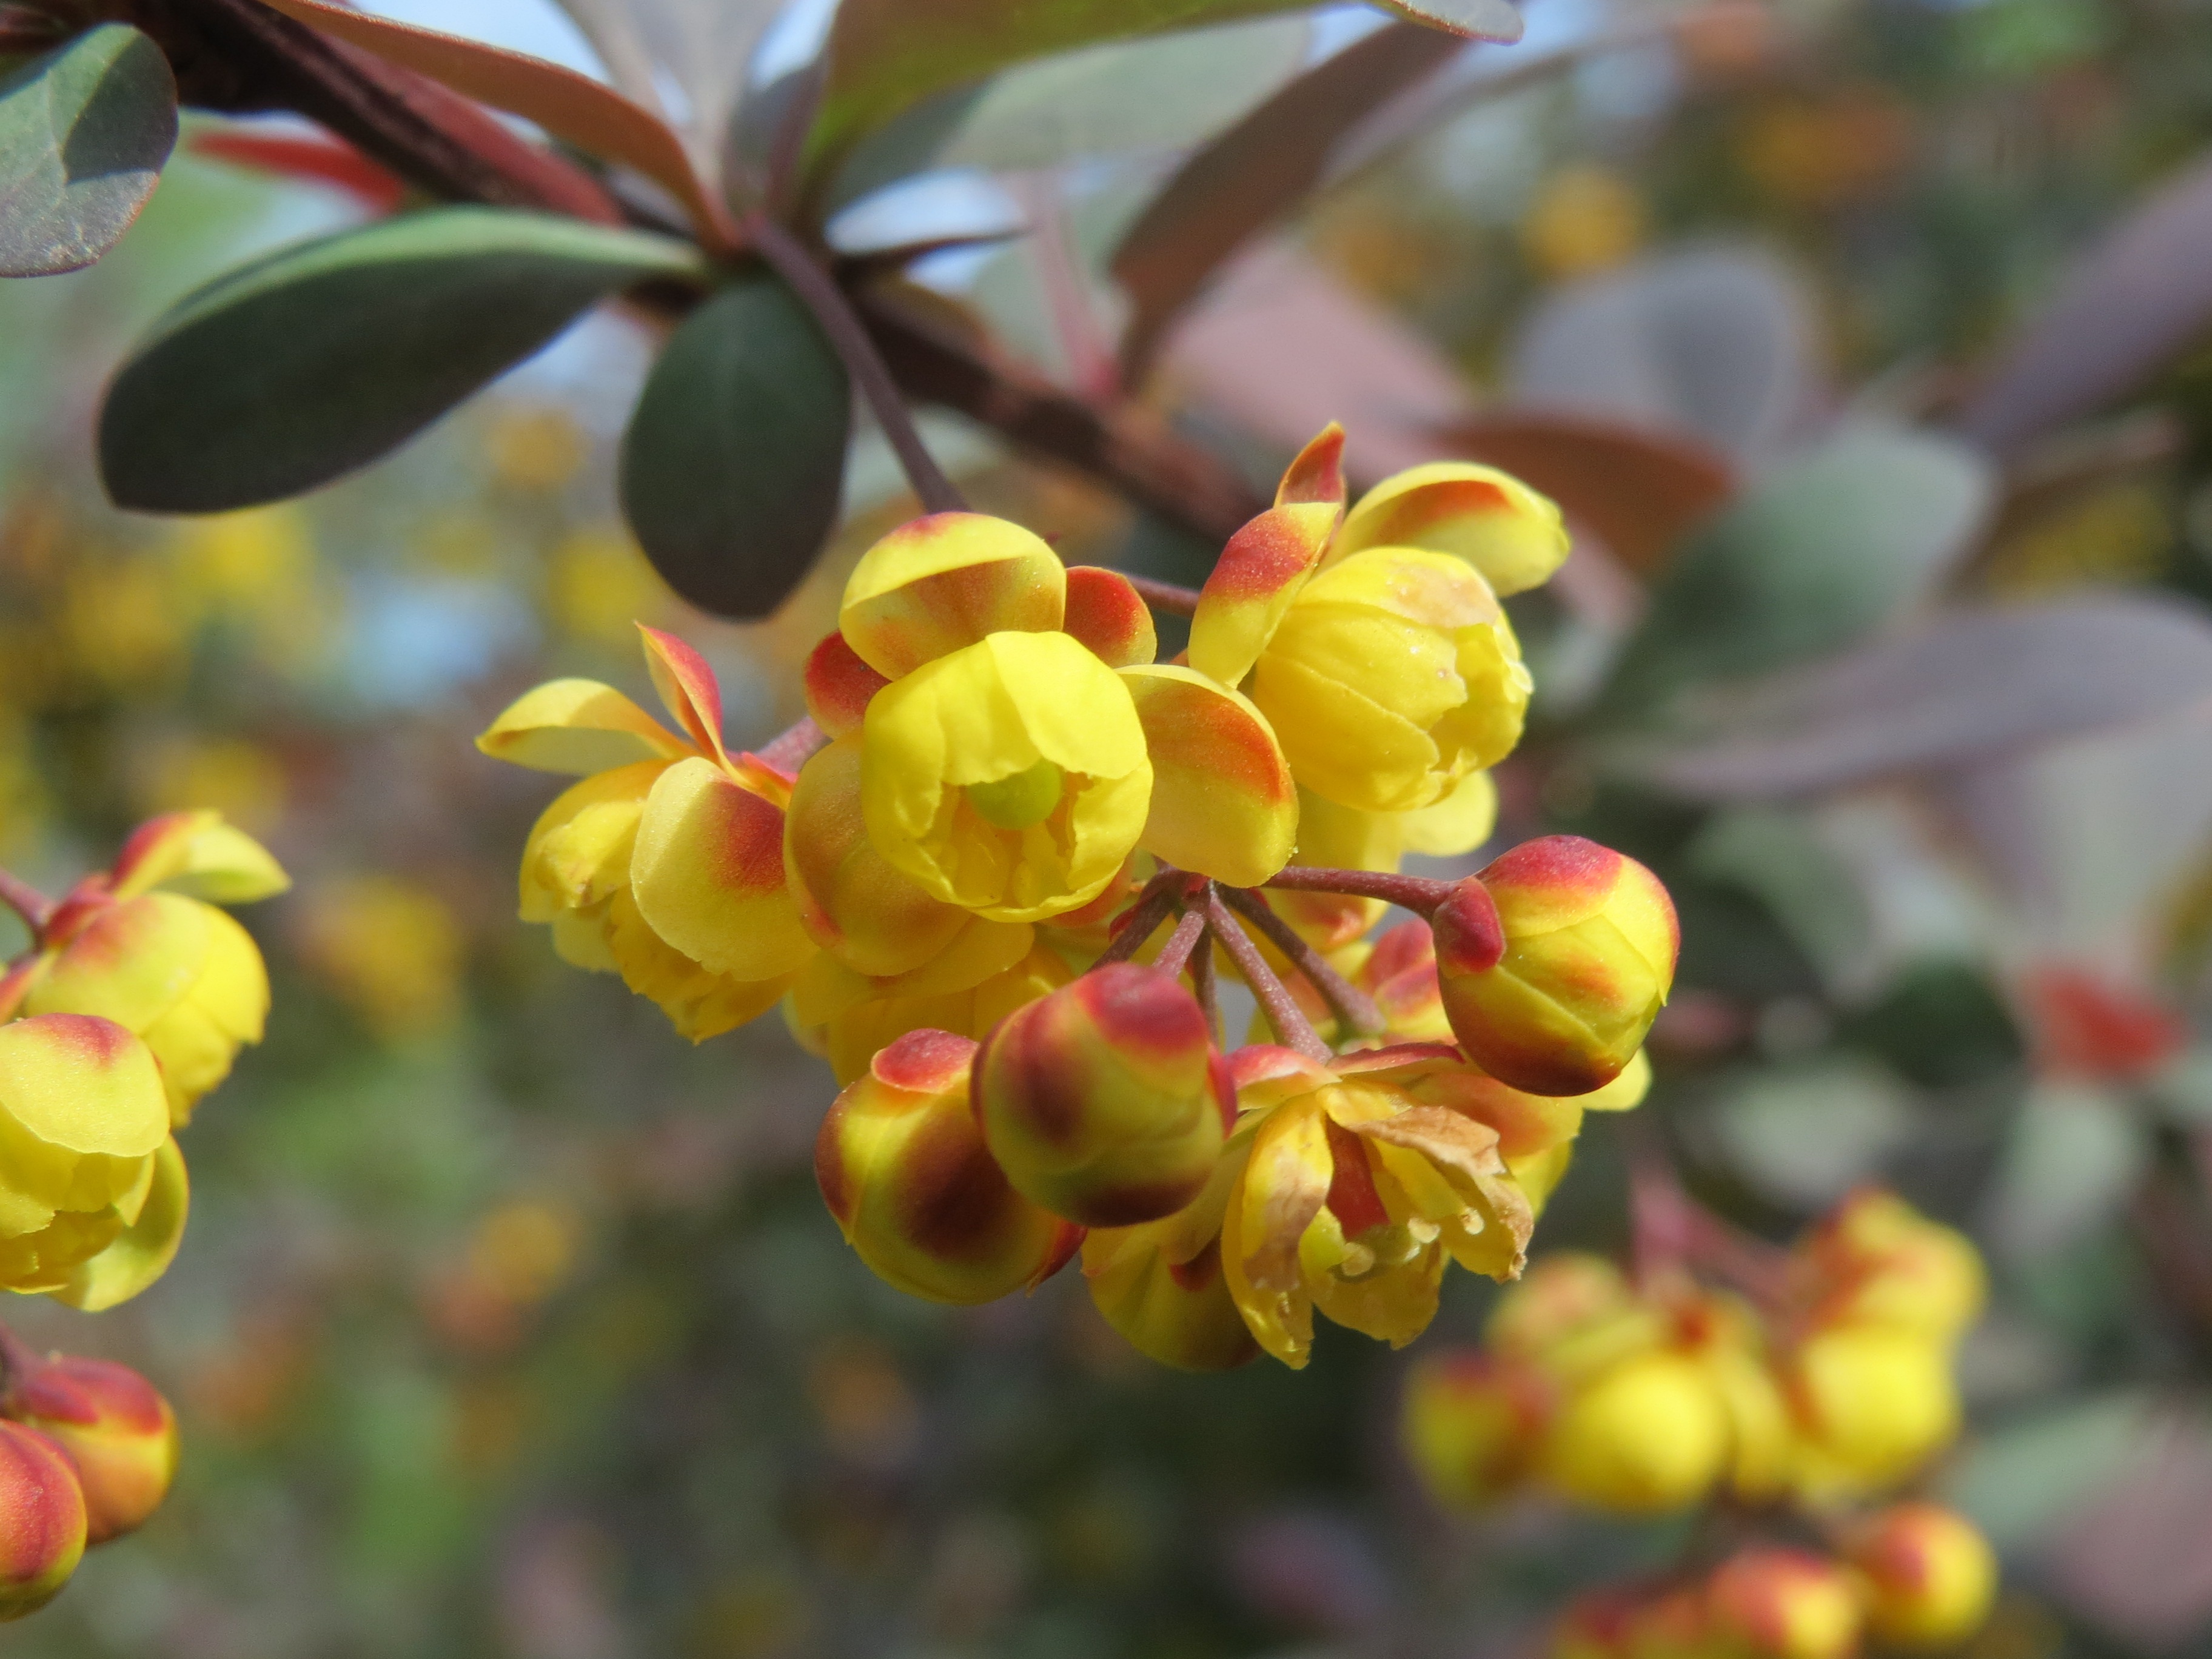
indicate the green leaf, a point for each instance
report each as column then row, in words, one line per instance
column 886, row 55
column 83, row 133
column 324, row 356
column 1123, row 98
column 732, row 467
column 1819, row 552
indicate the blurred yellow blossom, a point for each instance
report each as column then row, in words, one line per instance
column 534, row 448
column 1584, row 219
column 598, row 584
column 241, row 779
column 390, row 948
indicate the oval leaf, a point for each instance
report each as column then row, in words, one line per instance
column 1819, row 552
column 83, row 133
column 733, row 462
column 320, row 358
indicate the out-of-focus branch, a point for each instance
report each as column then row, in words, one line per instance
column 237, row 55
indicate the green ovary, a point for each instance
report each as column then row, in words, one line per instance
column 1021, row 800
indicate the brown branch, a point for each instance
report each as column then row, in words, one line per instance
column 790, row 260
column 1202, row 985
column 1293, row 1028
column 1142, row 918
column 237, row 55
column 1354, row 1009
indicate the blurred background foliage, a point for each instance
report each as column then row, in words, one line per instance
column 507, row 1325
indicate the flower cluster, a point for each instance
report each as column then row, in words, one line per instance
column 995, row 876
column 131, row 1003
column 1828, row 1384
column 87, row 1450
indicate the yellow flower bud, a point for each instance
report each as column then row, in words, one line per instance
column 1645, row 1436
column 42, row 1521
column 1392, row 676
column 1553, row 962
column 1872, row 1403
column 1877, row 1259
column 905, row 1172
column 117, row 1432
column 1772, row 1603
column 1105, row 1101
column 1928, row 1576
column 1471, row 1425
column 943, row 582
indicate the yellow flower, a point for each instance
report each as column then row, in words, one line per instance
column 1010, row 777
column 1392, row 676
column 82, row 1114
column 1876, row 1259
column 1871, row 1404
column 1471, row 1425
column 1647, row 1435
column 848, row 1018
column 665, row 864
column 1172, row 1308
column 1350, row 1187
column 1768, row 1602
column 136, row 944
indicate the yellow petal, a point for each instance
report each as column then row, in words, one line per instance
column 945, row 582
column 197, row 853
column 1513, row 536
column 1223, row 803
column 82, row 1084
column 1456, row 824
column 708, row 874
column 578, row 727
column 143, row 1251
column 1254, row 583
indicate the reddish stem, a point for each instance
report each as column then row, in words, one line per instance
column 1164, row 596
column 26, row 902
column 1415, row 893
column 1354, row 1009
column 1174, row 955
column 1293, row 1028
column 1202, row 984
column 790, row 750
column 1138, row 922
column 17, row 1361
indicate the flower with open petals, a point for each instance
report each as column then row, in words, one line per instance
column 139, row 945
column 666, row 863
column 1351, row 1189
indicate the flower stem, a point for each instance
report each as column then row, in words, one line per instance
column 1293, row 1028
column 1354, row 1009
column 1142, row 918
column 26, row 902
column 789, row 258
column 1202, row 985
column 789, row 751
column 1416, row 893
column 1174, row 955
column 1164, row 596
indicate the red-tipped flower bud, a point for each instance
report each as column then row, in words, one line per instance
column 1472, row 1424
column 1553, row 962
column 905, row 1172
column 41, row 1521
column 116, row 1429
column 1928, row 1576
column 1772, row 1603
column 1105, row 1101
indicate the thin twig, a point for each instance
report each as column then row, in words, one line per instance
column 1416, row 893
column 1164, row 596
column 790, row 260
column 26, row 902
column 1142, row 918
column 1174, row 955
column 1293, row 1028
column 1354, row 1009
column 1202, row 984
